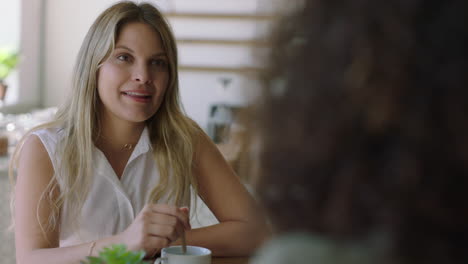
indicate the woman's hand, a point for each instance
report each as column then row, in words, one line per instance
column 155, row 227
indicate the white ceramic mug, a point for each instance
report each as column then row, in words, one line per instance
column 194, row 255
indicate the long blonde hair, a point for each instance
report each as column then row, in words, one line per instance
column 172, row 134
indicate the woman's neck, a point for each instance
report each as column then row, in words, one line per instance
column 119, row 135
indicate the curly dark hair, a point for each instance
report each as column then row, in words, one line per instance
column 364, row 124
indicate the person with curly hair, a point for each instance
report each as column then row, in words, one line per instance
column 363, row 133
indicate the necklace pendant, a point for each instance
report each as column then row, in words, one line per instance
column 127, row 147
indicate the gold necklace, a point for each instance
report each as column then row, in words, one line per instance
column 127, row 147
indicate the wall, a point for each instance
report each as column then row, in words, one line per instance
column 66, row 24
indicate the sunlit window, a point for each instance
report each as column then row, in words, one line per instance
column 9, row 47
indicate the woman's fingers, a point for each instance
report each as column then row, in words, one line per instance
column 180, row 214
column 172, row 233
column 164, row 219
column 154, row 243
column 155, row 227
column 185, row 210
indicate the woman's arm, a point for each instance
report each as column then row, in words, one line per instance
column 155, row 227
column 242, row 226
column 33, row 244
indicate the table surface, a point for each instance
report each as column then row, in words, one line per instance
column 219, row 260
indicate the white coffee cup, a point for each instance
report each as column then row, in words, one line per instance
column 194, row 255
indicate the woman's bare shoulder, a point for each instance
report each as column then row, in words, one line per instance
column 34, row 156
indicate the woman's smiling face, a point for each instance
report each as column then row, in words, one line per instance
column 133, row 79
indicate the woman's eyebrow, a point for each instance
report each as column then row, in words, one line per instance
column 157, row 54
column 124, row 47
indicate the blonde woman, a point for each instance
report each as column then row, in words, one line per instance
column 117, row 164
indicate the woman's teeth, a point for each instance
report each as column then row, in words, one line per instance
column 136, row 94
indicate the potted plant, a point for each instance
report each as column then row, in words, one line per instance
column 117, row 254
column 8, row 61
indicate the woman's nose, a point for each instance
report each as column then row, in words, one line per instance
column 141, row 74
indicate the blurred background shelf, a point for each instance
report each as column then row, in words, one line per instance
column 250, row 43
column 238, row 16
column 213, row 69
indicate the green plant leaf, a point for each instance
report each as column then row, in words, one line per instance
column 8, row 61
column 117, row 254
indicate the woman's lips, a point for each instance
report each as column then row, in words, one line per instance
column 138, row 96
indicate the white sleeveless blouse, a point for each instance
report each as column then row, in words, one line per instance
column 112, row 203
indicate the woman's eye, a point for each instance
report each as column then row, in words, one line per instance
column 159, row 63
column 123, row 57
